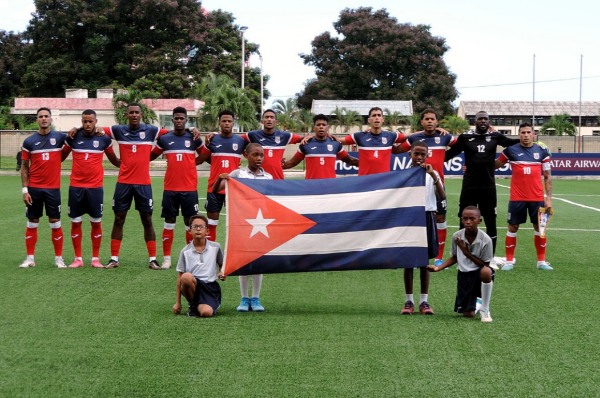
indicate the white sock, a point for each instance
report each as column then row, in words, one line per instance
column 244, row 285
column 423, row 298
column 486, row 295
column 256, row 284
column 409, row 297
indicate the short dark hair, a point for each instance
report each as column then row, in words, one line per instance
column 428, row 110
column 89, row 112
column 134, row 104
column 271, row 111
column 375, row 108
column 525, row 124
column 321, row 116
column 199, row 216
column 226, row 112
column 251, row 146
column 419, row 143
column 180, row 109
column 43, row 108
column 475, row 208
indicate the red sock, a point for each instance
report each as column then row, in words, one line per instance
column 31, row 237
column 441, row 234
column 151, row 246
column 540, row 247
column 510, row 244
column 188, row 236
column 57, row 240
column 167, row 241
column 76, row 237
column 115, row 247
column 96, row 235
column 212, row 233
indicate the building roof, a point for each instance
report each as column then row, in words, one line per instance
column 517, row 108
column 31, row 105
column 327, row 107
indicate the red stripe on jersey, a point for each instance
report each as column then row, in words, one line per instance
column 44, row 168
column 526, row 182
column 88, row 171
column 272, row 161
column 135, row 162
column 221, row 163
column 374, row 160
column 181, row 175
column 320, row 166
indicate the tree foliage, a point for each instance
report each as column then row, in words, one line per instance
column 454, row 124
column 376, row 57
column 396, row 120
column 559, row 125
column 125, row 97
column 346, row 119
column 12, row 64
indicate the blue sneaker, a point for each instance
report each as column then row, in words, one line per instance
column 244, row 305
column 544, row 265
column 438, row 262
column 255, row 305
column 508, row 266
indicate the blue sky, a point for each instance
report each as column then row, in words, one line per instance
column 491, row 43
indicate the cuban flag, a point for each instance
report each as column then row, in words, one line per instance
column 343, row 224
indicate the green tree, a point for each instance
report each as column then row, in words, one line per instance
column 125, row 97
column 346, row 119
column 396, row 120
column 375, row 57
column 288, row 114
column 559, row 125
column 454, row 124
column 12, row 64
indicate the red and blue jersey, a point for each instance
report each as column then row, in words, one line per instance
column 274, row 145
column 527, row 164
column 180, row 152
column 374, row 150
column 135, row 147
column 437, row 144
column 44, row 153
column 88, row 153
column 226, row 155
column 320, row 157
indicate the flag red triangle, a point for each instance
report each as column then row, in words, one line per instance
column 256, row 225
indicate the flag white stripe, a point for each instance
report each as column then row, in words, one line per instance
column 354, row 201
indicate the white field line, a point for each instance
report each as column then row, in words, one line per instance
column 566, row 201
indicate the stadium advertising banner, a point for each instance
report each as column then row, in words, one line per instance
column 563, row 164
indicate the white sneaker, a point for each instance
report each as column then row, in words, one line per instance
column 486, row 316
column 166, row 264
column 60, row 263
column 544, row 265
column 27, row 263
column 494, row 264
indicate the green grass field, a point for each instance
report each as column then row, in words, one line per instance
column 108, row 333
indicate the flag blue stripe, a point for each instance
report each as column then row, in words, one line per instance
column 389, row 258
column 412, row 177
column 366, row 220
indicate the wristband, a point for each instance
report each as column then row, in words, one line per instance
column 25, row 190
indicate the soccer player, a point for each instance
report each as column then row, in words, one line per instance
column 86, row 192
column 529, row 163
column 479, row 183
column 437, row 143
column 435, row 192
column 320, row 152
column 181, row 179
column 472, row 250
column 273, row 141
column 255, row 154
column 40, row 176
column 225, row 151
column 198, row 269
column 135, row 145
column 375, row 146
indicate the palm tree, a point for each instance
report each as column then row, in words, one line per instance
column 288, row 113
column 346, row 119
column 125, row 97
column 305, row 121
column 454, row 124
column 559, row 125
column 395, row 120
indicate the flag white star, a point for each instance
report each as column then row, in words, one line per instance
column 259, row 224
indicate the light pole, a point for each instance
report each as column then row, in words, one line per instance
column 243, row 29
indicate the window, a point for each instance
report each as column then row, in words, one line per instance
column 596, row 133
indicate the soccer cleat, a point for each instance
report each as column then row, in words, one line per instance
column 255, row 305
column 508, row 266
column 60, row 263
column 193, row 311
column 27, row 263
column 544, row 265
column 425, row 308
column 478, row 304
column 166, row 263
column 153, row 264
column 76, row 264
column 438, row 262
column 486, row 316
column 408, row 309
column 112, row 264
column 96, row 263
column 244, row 305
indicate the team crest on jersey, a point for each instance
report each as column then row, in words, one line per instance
column 438, row 140
column 187, row 143
column 488, row 138
column 96, row 144
column 278, row 140
column 329, row 147
column 384, row 140
column 142, row 135
column 536, row 156
column 235, row 147
column 52, row 141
